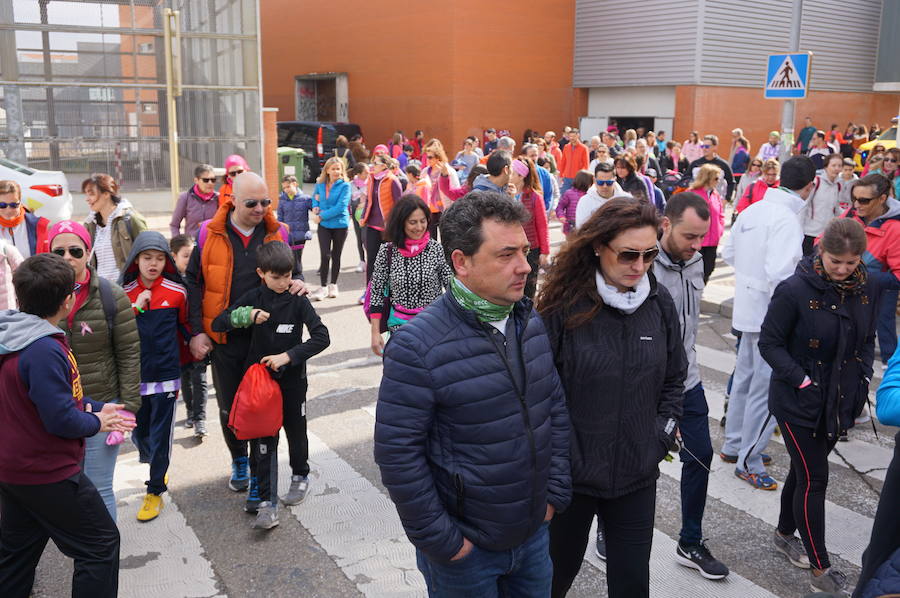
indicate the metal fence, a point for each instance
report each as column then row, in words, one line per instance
column 82, row 87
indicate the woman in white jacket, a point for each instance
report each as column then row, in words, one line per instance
column 824, row 202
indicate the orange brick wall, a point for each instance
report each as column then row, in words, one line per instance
column 450, row 69
column 270, row 153
column 718, row 110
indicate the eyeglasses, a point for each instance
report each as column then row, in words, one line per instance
column 235, row 173
column 4, row 205
column 206, row 180
column 630, row 256
column 893, row 160
column 605, row 183
column 252, row 203
column 76, row 252
column 759, row 164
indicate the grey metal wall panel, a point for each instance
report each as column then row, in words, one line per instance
column 606, row 56
column 842, row 34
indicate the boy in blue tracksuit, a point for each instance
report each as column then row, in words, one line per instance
column 154, row 286
column 293, row 210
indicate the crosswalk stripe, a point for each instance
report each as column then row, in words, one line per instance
column 163, row 557
column 355, row 524
column 865, row 457
column 667, row 577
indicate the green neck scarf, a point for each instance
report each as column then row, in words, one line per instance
column 484, row 310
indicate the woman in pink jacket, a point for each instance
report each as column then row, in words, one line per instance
column 704, row 185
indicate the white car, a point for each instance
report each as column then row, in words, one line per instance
column 44, row 192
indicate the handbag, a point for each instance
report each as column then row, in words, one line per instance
column 385, row 301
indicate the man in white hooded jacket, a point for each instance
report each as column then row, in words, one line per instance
column 604, row 189
column 764, row 247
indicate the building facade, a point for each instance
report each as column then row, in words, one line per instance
column 702, row 65
column 83, row 87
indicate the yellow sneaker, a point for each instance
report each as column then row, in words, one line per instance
column 153, row 504
column 166, row 479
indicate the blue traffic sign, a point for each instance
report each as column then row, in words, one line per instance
column 787, row 76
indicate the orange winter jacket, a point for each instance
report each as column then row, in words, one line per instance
column 217, row 262
column 574, row 158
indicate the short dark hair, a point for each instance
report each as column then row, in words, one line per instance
column 833, row 156
column 711, row 138
column 461, row 223
column 583, row 180
column 477, row 171
column 407, row 147
column 288, row 178
column 356, row 170
column 498, row 160
column 797, row 172
column 42, row 283
column 275, row 257
column 603, row 167
column 202, row 169
column 413, row 170
column 178, row 242
column 395, row 227
column 680, row 202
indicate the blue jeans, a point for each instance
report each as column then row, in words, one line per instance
column 694, row 428
column 99, row 467
column 521, row 572
column 153, row 436
column 886, row 327
column 565, row 185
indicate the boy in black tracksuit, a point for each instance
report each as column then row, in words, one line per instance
column 277, row 318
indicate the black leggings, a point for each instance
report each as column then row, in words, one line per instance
column 709, row 261
column 534, row 260
column 359, row 237
column 628, row 529
column 374, row 241
column 803, row 495
column 434, row 223
column 298, row 258
column 331, row 244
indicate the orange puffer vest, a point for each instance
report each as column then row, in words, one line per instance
column 217, row 262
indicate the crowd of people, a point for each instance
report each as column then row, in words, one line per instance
column 491, row 436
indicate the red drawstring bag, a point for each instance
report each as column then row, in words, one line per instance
column 257, row 409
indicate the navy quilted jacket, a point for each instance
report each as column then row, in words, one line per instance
column 461, row 452
column 295, row 213
column 886, row 580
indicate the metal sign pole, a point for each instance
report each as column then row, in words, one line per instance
column 172, row 40
column 787, row 111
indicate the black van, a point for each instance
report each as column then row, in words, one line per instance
column 316, row 139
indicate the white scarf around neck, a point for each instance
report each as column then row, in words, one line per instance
column 627, row 302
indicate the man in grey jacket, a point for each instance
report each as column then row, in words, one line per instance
column 679, row 268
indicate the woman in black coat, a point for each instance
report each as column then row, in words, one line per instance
column 818, row 336
column 618, row 349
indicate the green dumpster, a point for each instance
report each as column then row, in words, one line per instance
column 290, row 161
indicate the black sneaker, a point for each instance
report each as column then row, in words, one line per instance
column 698, row 557
column 600, row 547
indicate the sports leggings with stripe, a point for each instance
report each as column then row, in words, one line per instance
column 803, row 494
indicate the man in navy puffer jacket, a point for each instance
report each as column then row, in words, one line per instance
column 471, row 430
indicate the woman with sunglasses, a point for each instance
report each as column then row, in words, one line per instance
column 880, row 215
column 382, row 192
column 197, row 204
column 113, row 224
column 102, row 333
column 235, row 164
column 754, row 171
column 331, row 209
column 435, row 159
column 18, row 226
column 704, row 185
column 891, row 169
column 617, row 345
column 818, row 336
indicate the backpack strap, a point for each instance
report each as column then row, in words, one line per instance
column 109, row 303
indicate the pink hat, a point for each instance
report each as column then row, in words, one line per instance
column 236, row 160
column 520, row 168
column 69, row 226
column 380, row 148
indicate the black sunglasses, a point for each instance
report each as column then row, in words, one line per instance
column 251, row 203
column 235, row 172
column 12, row 204
column 206, row 180
column 629, row 256
column 863, row 201
column 76, row 252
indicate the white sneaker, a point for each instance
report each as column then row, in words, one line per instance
column 318, row 294
column 361, row 267
column 332, row 291
column 864, row 417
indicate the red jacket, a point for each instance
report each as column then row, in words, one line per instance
column 754, row 193
column 536, row 229
column 575, row 157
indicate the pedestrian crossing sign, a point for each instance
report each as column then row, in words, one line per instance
column 787, row 76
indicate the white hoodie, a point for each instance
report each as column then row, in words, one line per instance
column 591, row 201
column 824, row 203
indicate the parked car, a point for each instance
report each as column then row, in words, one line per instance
column 44, row 192
column 316, row 139
column 888, row 139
